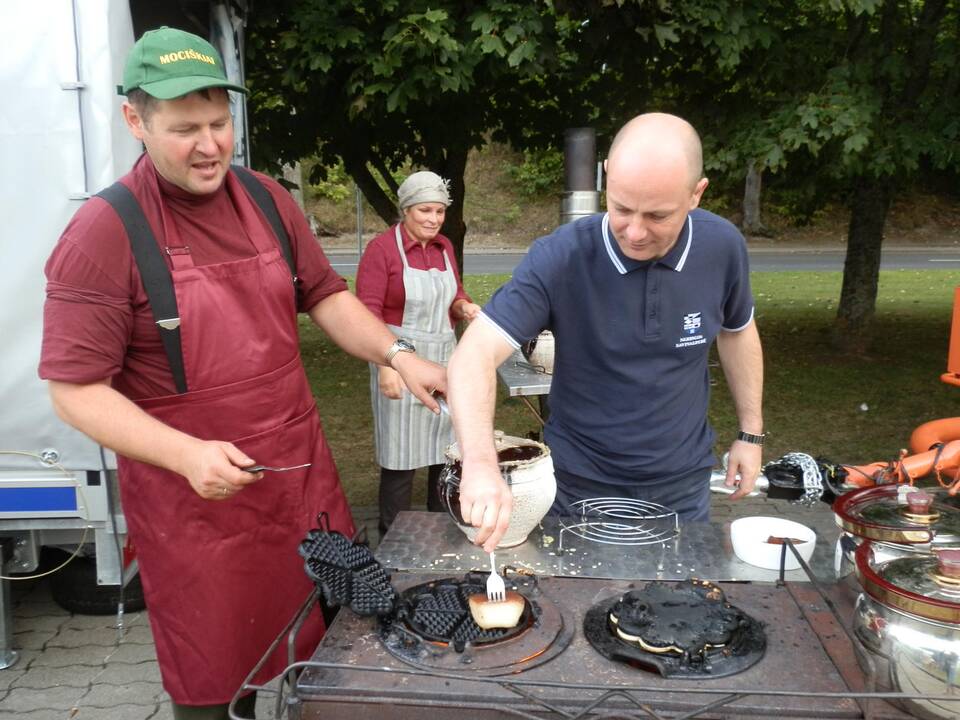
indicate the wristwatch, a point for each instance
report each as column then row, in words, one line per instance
column 399, row 345
column 751, row 438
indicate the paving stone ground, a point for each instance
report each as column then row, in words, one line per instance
column 80, row 667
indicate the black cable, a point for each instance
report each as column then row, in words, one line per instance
column 936, row 458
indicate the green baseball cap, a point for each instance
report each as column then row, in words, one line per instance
column 168, row 63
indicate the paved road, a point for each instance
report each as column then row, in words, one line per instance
column 761, row 260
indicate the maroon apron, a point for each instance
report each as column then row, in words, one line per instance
column 222, row 578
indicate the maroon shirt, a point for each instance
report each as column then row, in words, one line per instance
column 97, row 319
column 380, row 272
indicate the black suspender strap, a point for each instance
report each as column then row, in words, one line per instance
column 261, row 196
column 155, row 275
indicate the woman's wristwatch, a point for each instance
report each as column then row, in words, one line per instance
column 399, row 345
column 751, row 438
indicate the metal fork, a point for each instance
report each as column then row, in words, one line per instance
column 261, row 468
column 496, row 590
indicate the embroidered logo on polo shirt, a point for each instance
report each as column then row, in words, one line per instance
column 691, row 324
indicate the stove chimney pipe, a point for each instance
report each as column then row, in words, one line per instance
column 581, row 196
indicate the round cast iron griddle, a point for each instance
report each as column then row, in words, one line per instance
column 744, row 650
column 439, row 611
column 543, row 632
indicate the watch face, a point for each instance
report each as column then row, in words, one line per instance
column 405, row 345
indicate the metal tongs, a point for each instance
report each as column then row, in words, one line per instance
column 268, row 468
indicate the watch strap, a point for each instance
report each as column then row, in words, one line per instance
column 399, row 345
column 751, row 438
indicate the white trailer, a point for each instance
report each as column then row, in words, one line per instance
column 62, row 139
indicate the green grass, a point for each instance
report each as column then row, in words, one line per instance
column 813, row 398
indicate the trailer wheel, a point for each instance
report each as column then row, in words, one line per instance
column 74, row 588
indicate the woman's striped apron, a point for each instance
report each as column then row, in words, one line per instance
column 406, row 433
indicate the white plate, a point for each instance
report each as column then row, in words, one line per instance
column 750, row 537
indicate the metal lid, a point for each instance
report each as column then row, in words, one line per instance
column 924, row 586
column 883, row 514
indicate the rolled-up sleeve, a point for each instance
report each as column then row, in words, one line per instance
column 87, row 318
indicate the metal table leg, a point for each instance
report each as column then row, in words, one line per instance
column 529, row 404
column 8, row 656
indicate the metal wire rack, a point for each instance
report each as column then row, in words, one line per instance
column 619, row 521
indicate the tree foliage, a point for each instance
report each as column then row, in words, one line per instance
column 844, row 99
column 840, row 99
column 380, row 83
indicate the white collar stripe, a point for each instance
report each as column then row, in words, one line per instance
column 686, row 250
column 605, row 226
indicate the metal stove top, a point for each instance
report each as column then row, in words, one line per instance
column 352, row 675
column 431, row 542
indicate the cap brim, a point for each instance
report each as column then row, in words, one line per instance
column 173, row 88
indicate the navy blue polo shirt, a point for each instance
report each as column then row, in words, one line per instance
column 628, row 400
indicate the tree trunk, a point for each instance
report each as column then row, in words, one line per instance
column 381, row 203
column 381, row 167
column 752, row 224
column 453, row 166
column 861, row 269
column 293, row 174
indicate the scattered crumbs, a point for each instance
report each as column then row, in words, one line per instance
column 547, row 540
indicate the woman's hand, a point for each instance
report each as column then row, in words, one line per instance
column 391, row 384
column 467, row 310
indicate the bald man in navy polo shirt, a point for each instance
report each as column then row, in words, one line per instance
column 635, row 298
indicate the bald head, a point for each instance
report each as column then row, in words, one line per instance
column 654, row 179
column 658, row 140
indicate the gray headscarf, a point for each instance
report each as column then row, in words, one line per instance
column 423, row 187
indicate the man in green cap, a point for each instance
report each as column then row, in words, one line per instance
column 170, row 336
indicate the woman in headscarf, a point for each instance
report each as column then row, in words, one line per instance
column 407, row 278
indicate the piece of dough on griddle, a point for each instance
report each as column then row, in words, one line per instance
column 504, row 614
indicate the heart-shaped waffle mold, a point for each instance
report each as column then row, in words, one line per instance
column 347, row 573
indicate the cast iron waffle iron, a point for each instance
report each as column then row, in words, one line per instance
column 680, row 629
column 348, row 575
